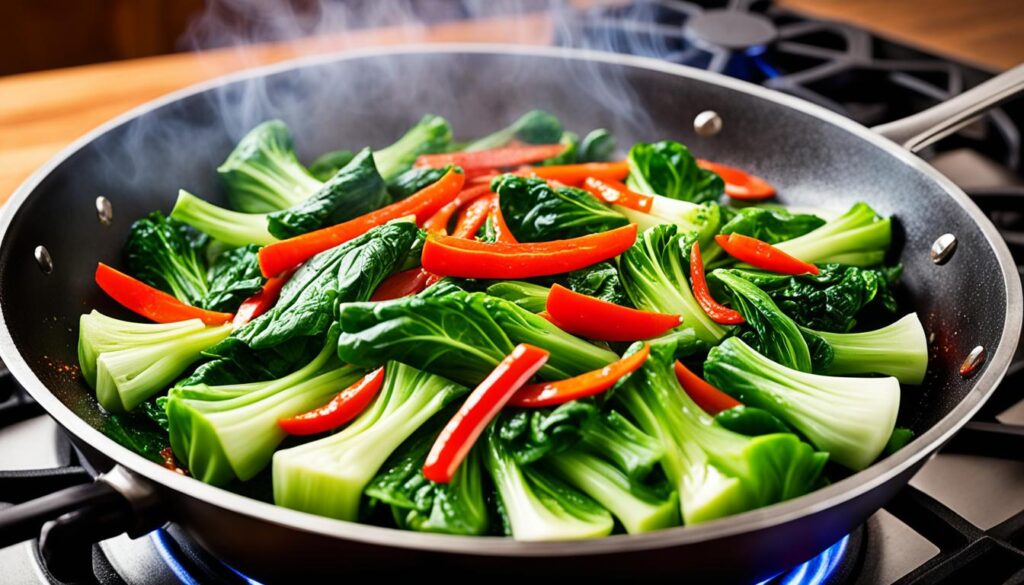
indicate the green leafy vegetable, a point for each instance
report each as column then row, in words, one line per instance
column 430, row 135
column 632, row 451
column 600, row 281
column 230, row 432
column 716, row 472
column 750, row 421
column 230, row 227
column 527, row 295
column 533, row 127
column 859, row 237
column 538, row 505
column 328, row 476
column 355, row 190
column 638, row 506
column 306, row 307
column 772, row 332
column 668, row 169
column 535, row 212
column 771, row 224
column 414, row 180
column 329, row 163
column 850, row 418
column 830, row 301
column 899, row 439
column 263, row 173
column 458, row 507
column 234, row 276
column 126, row 363
column 899, row 350
column 465, row 335
column 597, row 146
column 170, row 256
column 655, row 276
column 533, row 434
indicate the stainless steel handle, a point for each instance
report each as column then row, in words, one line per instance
column 918, row 131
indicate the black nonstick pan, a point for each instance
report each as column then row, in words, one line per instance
column 964, row 286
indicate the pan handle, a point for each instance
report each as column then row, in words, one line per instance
column 924, row 128
column 118, row 501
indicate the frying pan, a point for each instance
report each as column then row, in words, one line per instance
column 52, row 239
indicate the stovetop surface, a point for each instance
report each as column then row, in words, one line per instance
column 962, row 517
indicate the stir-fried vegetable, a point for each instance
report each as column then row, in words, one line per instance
column 619, row 388
column 327, row 476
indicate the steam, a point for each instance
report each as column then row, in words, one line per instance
column 374, row 102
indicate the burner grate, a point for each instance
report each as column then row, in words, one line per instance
column 836, row 66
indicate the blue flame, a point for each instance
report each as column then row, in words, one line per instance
column 814, row 572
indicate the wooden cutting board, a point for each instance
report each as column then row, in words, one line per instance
column 41, row 113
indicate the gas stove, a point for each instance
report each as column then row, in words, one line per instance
column 961, row 517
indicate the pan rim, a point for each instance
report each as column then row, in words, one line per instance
column 807, row 505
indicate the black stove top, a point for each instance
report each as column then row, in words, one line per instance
column 961, row 518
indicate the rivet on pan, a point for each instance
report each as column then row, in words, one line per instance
column 943, row 248
column 43, row 259
column 707, row 123
column 974, row 359
column 104, row 210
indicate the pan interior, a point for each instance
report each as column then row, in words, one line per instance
column 139, row 166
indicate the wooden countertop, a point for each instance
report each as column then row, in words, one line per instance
column 42, row 112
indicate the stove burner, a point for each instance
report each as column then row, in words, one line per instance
column 836, row 66
column 729, row 29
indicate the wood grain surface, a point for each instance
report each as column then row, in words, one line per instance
column 40, row 113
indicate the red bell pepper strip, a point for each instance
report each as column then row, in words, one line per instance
column 401, row 284
column 588, row 384
column 495, row 158
column 576, row 174
column 262, row 301
column 763, row 255
column 280, row 256
column 739, row 184
column 462, row 431
column 473, row 216
column 596, row 319
column 710, row 399
column 619, row 194
column 151, row 303
column 718, row 313
column 502, row 234
column 347, row 405
column 448, row 256
column 438, row 222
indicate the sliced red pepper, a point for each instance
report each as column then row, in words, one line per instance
column 588, row 384
column 262, row 301
column 618, row 194
column 401, row 284
column 473, row 216
column 502, row 234
column 448, row 256
column 596, row 319
column 151, row 303
column 763, row 255
column 576, row 174
column 739, row 184
column 495, row 158
column 718, row 313
column 347, row 405
column 280, row 256
column 710, row 399
column 438, row 223
column 483, row 404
